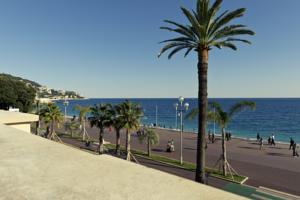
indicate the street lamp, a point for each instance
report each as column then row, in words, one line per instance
column 182, row 108
column 176, row 108
column 66, row 103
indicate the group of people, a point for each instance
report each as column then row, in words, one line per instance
column 271, row 141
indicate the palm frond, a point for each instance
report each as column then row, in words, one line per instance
column 175, row 50
column 232, row 32
column 200, row 30
column 238, row 107
column 225, row 19
column 172, row 45
column 192, row 114
column 188, row 51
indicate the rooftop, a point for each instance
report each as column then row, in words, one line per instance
column 33, row 167
column 7, row 117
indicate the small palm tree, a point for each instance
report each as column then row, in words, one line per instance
column 118, row 123
column 149, row 137
column 101, row 118
column 131, row 114
column 72, row 126
column 83, row 110
column 204, row 31
column 222, row 119
column 52, row 117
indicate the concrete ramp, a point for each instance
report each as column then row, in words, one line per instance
column 32, row 168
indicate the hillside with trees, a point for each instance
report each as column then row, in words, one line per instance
column 16, row 93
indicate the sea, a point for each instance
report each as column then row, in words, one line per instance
column 278, row 116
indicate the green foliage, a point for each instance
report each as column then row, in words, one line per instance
column 205, row 29
column 51, row 113
column 221, row 117
column 131, row 114
column 8, row 76
column 118, row 121
column 101, row 116
column 15, row 93
column 149, row 136
column 83, row 110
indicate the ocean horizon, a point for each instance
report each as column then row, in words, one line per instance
column 280, row 116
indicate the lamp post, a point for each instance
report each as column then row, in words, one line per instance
column 182, row 108
column 156, row 110
column 176, row 108
column 66, row 103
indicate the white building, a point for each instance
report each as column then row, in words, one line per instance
column 18, row 120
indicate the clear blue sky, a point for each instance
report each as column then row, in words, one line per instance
column 108, row 48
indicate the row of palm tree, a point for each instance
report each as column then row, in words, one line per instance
column 125, row 115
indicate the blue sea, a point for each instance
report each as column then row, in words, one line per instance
column 278, row 116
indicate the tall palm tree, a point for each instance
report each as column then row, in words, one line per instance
column 118, row 123
column 204, row 30
column 131, row 113
column 83, row 110
column 101, row 118
column 149, row 137
column 222, row 119
column 52, row 116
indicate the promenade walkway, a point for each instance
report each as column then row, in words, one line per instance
column 274, row 167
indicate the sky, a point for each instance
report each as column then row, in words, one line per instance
column 109, row 48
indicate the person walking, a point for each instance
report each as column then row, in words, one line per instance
column 291, row 143
column 209, row 136
column 213, row 138
column 261, row 143
column 295, row 152
column 257, row 137
column 273, row 139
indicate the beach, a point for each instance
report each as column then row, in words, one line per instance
column 272, row 167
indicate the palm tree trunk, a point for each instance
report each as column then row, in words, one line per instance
column 202, row 105
column 51, row 135
column 224, row 156
column 149, row 148
column 128, row 146
column 101, row 142
column 118, row 142
column 83, row 130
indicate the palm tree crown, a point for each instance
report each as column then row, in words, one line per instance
column 83, row 110
column 131, row 114
column 101, row 118
column 223, row 118
column 205, row 29
column 51, row 115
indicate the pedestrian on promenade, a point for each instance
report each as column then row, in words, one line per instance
column 257, row 137
column 261, row 143
column 292, row 142
column 273, row 139
column 295, row 152
column 269, row 140
column 213, row 138
column 209, row 136
column 227, row 136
